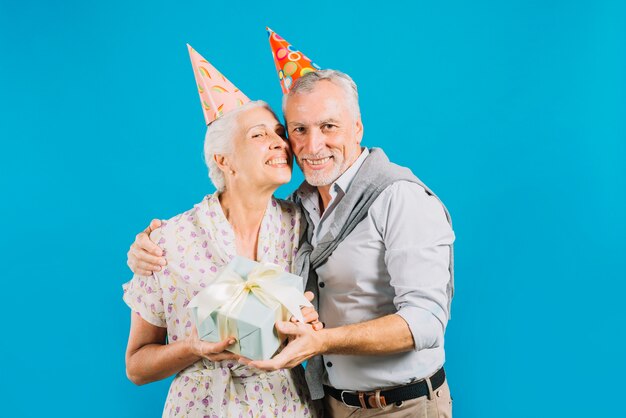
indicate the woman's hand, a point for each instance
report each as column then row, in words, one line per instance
column 210, row 351
column 149, row 358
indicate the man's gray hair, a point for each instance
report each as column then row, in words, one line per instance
column 219, row 140
column 307, row 82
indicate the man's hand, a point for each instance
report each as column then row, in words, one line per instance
column 310, row 314
column 211, row 351
column 304, row 343
column 144, row 256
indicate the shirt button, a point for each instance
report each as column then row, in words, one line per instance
column 322, row 284
column 439, row 394
column 329, row 364
column 262, row 375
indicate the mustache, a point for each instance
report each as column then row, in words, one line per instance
column 315, row 156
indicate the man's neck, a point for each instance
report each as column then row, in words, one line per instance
column 324, row 191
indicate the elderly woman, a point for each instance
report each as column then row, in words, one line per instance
column 248, row 159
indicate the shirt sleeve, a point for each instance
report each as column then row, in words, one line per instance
column 418, row 238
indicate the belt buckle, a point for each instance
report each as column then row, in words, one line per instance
column 343, row 400
column 375, row 399
column 371, row 399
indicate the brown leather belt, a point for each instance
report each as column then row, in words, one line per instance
column 383, row 397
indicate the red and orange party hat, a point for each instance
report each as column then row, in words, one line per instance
column 291, row 64
column 217, row 95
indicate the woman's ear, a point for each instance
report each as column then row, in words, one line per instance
column 223, row 163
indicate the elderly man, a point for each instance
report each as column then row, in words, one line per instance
column 378, row 254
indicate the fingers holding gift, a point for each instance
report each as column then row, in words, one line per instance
column 309, row 314
column 225, row 355
column 303, row 344
column 207, row 349
column 317, row 325
column 311, row 320
column 212, row 351
column 311, row 317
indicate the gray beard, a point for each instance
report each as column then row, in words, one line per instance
column 324, row 179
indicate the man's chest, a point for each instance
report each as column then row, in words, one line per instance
column 357, row 264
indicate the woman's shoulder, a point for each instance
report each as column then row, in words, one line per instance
column 289, row 212
column 185, row 224
column 288, row 208
column 290, row 219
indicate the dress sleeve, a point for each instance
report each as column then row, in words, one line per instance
column 143, row 294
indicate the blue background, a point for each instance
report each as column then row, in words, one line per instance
column 512, row 111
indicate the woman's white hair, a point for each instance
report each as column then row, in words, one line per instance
column 219, row 140
column 307, row 82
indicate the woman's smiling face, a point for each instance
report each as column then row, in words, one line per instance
column 261, row 154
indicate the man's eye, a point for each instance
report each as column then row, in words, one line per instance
column 328, row 126
column 298, row 130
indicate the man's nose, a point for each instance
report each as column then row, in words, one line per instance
column 313, row 142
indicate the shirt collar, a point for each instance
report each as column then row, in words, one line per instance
column 345, row 180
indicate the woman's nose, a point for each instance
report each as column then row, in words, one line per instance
column 278, row 141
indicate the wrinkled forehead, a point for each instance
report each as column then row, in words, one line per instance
column 258, row 116
column 315, row 106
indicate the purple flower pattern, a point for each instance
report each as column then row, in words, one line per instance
column 217, row 389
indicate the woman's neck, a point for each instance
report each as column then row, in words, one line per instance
column 244, row 210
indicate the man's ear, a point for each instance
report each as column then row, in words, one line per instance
column 359, row 130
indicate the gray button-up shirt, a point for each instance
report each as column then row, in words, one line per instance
column 394, row 262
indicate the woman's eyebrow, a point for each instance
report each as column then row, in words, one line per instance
column 261, row 125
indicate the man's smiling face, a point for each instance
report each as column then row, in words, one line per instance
column 324, row 132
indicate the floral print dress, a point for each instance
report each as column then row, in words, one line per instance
column 198, row 244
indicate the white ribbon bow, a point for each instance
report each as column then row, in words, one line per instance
column 229, row 293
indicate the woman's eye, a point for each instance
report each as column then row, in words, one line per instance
column 258, row 135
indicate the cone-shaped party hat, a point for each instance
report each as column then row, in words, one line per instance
column 291, row 64
column 217, row 95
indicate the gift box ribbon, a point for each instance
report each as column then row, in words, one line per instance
column 229, row 293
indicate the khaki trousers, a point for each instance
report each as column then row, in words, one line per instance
column 439, row 406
